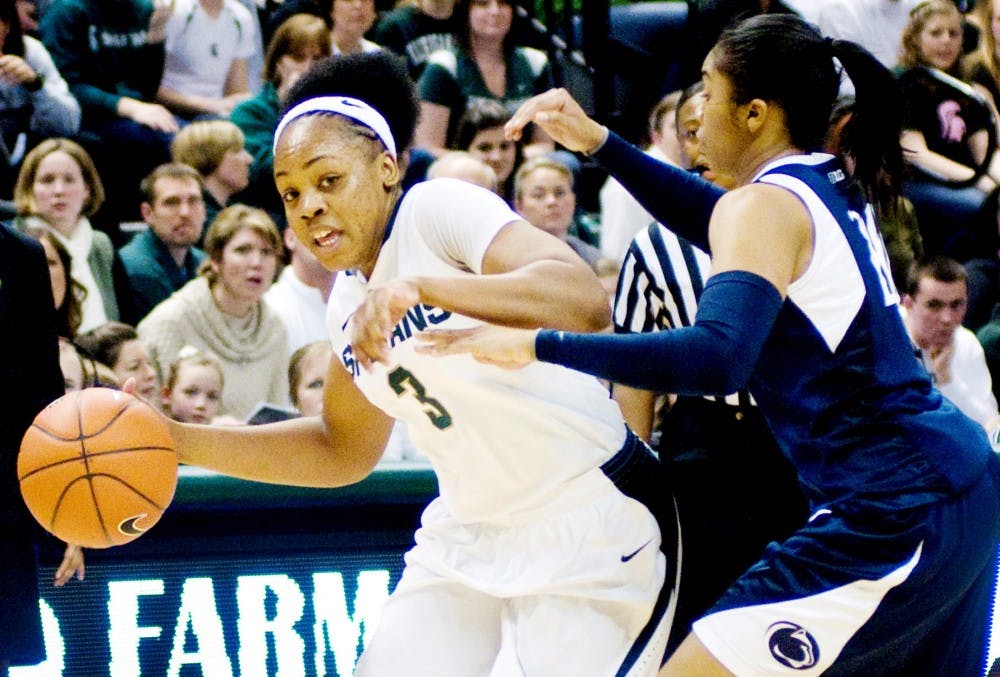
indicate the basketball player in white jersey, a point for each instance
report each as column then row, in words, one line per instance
column 540, row 557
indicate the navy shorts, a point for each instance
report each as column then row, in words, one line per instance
column 868, row 588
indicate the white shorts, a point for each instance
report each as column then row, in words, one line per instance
column 578, row 592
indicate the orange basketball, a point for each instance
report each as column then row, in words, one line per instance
column 97, row 467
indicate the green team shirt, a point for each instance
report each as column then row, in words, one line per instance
column 414, row 35
column 451, row 78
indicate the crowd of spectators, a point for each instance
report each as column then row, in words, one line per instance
column 136, row 147
column 129, row 126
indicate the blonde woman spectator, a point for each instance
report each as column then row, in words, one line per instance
column 222, row 311
column 982, row 67
column 57, row 189
column 216, row 149
column 543, row 195
column 208, row 46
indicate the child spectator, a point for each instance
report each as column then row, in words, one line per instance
column 118, row 346
column 192, row 391
column 307, row 375
column 458, row 164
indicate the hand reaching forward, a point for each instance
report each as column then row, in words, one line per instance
column 500, row 346
column 562, row 118
column 372, row 323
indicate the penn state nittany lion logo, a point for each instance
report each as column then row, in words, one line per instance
column 792, row 645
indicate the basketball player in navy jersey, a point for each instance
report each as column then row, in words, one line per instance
column 893, row 572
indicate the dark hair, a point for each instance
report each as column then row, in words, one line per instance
column 460, row 19
column 480, row 114
column 940, row 268
column 14, row 44
column 69, row 315
column 782, row 59
column 380, row 79
column 104, row 343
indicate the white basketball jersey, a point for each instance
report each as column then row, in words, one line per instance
column 502, row 441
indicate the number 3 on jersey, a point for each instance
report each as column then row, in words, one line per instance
column 403, row 382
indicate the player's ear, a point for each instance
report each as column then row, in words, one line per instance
column 389, row 170
column 756, row 112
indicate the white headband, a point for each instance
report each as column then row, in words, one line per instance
column 355, row 109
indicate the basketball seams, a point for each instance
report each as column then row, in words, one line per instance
column 79, row 418
column 93, row 454
column 131, row 488
column 97, row 510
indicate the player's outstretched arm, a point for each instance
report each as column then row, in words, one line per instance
column 763, row 236
column 339, row 448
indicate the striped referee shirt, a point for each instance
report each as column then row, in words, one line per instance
column 659, row 285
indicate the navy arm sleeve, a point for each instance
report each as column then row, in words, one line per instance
column 680, row 200
column 715, row 356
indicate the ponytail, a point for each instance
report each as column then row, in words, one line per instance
column 871, row 136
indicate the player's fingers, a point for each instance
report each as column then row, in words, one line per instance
column 525, row 114
column 444, row 341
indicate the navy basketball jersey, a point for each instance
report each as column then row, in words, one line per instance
column 837, row 378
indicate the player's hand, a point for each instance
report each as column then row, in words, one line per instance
column 562, row 118
column 372, row 323
column 15, row 71
column 500, row 346
column 72, row 563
